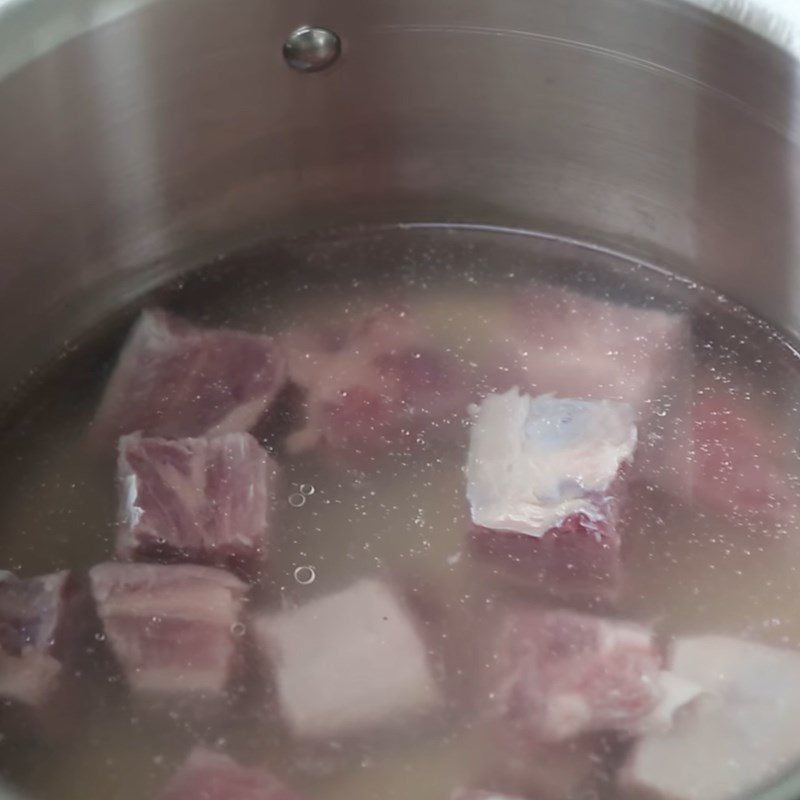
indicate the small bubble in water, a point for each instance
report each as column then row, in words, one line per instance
column 297, row 500
column 305, row 575
column 238, row 629
column 307, row 489
column 100, row 637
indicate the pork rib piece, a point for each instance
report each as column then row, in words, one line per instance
column 35, row 626
column 173, row 379
column 205, row 501
column 171, row 628
column 556, row 675
column 371, row 384
column 737, row 466
column 743, row 731
column 545, row 481
column 575, row 345
column 208, row 775
column 347, row 662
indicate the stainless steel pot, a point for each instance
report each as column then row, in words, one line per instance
column 175, row 128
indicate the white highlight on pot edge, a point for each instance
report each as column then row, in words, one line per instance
column 775, row 20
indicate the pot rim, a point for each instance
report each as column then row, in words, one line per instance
column 31, row 28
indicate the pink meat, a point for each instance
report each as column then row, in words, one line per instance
column 35, row 627
column 581, row 556
column 557, row 675
column 546, row 478
column 347, row 662
column 171, row 628
column 205, row 501
column 737, row 466
column 173, row 379
column 34, row 611
column 574, row 345
column 207, row 775
column 371, row 384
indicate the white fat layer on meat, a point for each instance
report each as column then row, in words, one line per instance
column 131, row 511
column 740, row 733
column 675, row 693
column 672, row 691
column 348, row 661
column 570, row 713
column 533, row 461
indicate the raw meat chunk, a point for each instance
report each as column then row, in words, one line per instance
column 535, row 463
column 34, row 611
column 207, row 775
column 372, row 384
column 206, row 501
column 574, row 345
column 565, row 562
column 173, row 379
column 347, row 662
column 743, row 731
column 545, row 478
column 171, row 628
column 556, row 675
column 34, row 628
column 736, row 463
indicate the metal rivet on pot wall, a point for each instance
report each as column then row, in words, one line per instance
column 311, row 49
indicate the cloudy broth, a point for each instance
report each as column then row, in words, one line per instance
column 399, row 513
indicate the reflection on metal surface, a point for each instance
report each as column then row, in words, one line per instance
column 311, row 49
column 151, row 138
column 776, row 20
column 130, row 155
column 7, row 793
column 31, row 28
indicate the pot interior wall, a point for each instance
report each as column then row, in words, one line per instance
column 178, row 132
